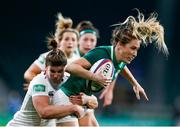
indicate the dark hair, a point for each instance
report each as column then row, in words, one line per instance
column 87, row 27
column 51, row 43
column 56, row 57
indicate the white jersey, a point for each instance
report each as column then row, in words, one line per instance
column 27, row 115
column 73, row 58
column 41, row 61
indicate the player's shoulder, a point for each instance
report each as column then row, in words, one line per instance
column 103, row 47
column 39, row 79
column 41, row 59
column 44, row 54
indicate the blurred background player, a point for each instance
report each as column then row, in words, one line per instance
column 88, row 36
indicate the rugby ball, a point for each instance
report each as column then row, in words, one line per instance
column 105, row 68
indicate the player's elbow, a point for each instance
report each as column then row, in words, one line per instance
column 45, row 114
column 31, row 72
column 28, row 76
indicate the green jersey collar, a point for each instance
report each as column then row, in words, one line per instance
column 120, row 65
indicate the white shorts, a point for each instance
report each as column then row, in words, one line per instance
column 60, row 98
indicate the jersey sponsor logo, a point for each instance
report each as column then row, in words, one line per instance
column 39, row 88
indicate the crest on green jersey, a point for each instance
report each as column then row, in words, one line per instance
column 39, row 88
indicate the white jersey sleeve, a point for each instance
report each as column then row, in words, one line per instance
column 40, row 86
column 40, row 62
column 27, row 115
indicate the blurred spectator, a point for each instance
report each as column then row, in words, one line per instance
column 3, row 96
column 4, row 115
column 14, row 102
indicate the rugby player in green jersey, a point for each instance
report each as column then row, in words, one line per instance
column 127, row 37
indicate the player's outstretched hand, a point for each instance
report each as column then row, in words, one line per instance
column 139, row 90
column 107, row 96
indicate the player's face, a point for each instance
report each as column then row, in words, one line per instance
column 127, row 52
column 68, row 44
column 55, row 74
column 87, row 42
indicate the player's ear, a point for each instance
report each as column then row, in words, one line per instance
column 119, row 43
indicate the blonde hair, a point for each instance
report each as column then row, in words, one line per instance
column 62, row 25
column 148, row 30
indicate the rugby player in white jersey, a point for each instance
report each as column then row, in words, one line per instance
column 38, row 103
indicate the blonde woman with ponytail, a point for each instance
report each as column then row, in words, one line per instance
column 66, row 37
column 145, row 32
column 127, row 37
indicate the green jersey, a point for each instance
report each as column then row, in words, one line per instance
column 74, row 85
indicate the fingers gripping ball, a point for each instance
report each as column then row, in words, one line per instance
column 105, row 68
